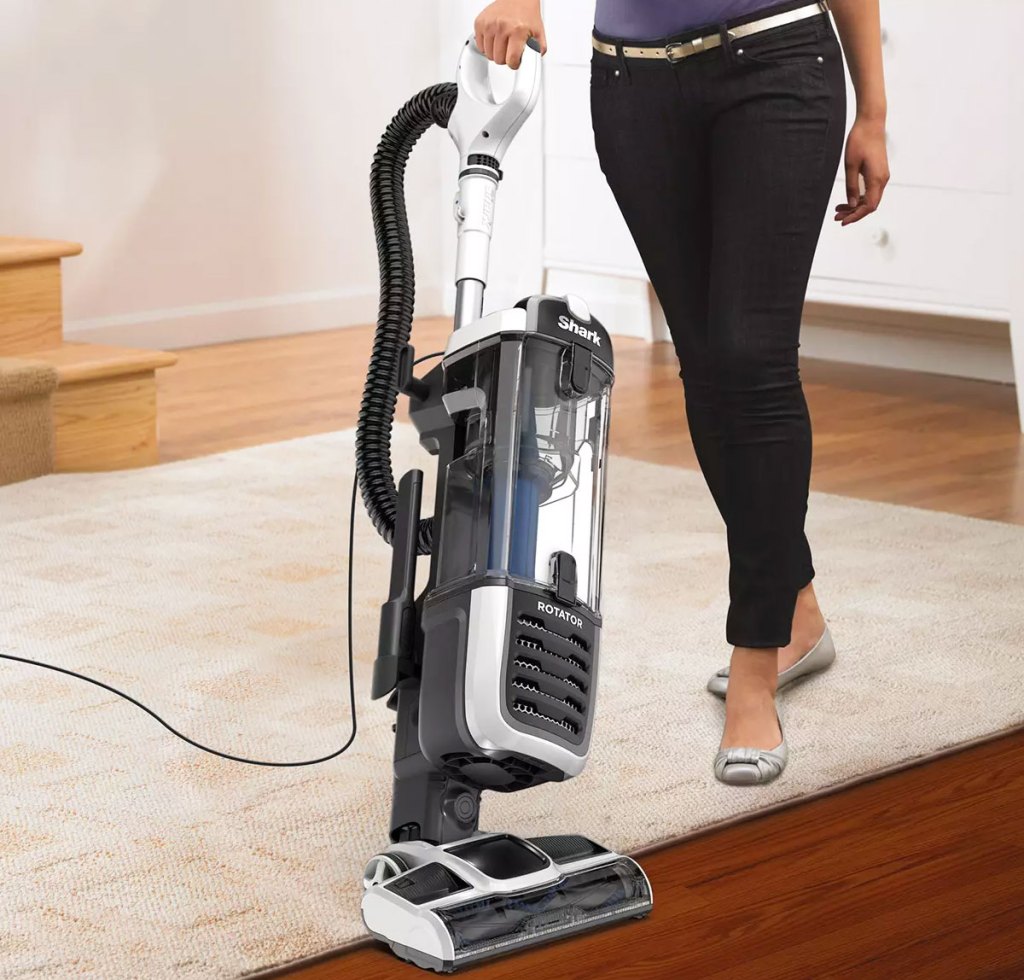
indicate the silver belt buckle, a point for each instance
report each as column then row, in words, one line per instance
column 678, row 50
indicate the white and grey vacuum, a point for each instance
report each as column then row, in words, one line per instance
column 492, row 670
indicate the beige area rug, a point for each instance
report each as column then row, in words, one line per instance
column 213, row 590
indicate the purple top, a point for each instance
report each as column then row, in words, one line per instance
column 637, row 20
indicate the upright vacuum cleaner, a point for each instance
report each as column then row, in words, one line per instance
column 492, row 669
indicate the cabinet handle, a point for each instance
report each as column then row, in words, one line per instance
column 880, row 237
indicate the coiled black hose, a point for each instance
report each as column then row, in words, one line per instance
column 432, row 106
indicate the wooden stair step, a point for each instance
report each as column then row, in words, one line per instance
column 92, row 362
column 30, row 293
column 104, row 409
column 17, row 251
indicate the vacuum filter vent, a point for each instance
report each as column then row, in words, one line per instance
column 549, row 676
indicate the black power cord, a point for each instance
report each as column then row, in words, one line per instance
column 227, row 755
column 432, row 106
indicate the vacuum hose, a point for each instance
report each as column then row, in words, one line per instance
column 432, row 106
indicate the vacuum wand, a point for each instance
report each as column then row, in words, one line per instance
column 482, row 129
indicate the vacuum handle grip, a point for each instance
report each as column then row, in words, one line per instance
column 479, row 123
column 474, row 76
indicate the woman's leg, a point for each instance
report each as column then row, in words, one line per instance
column 652, row 132
column 776, row 142
column 652, row 143
column 773, row 155
column 675, row 147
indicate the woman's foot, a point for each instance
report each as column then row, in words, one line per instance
column 750, row 717
column 807, row 630
column 809, row 650
column 753, row 749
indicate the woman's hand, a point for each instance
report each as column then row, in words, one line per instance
column 866, row 157
column 504, row 27
column 860, row 29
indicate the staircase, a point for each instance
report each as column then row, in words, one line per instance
column 104, row 413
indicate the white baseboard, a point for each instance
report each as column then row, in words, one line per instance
column 249, row 319
column 878, row 338
column 977, row 348
column 962, row 348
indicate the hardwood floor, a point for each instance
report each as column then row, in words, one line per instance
column 926, row 441
column 917, row 874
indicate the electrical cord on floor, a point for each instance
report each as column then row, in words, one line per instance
column 205, row 748
column 227, row 755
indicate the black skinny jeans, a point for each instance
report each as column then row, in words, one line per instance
column 722, row 165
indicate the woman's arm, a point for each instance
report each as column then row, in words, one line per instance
column 504, row 27
column 860, row 31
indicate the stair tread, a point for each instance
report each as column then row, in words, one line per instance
column 15, row 251
column 90, row 362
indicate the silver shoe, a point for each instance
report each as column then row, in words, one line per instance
column 752, row 767
column 820, row 657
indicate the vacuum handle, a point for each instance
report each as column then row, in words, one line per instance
column 479, row 124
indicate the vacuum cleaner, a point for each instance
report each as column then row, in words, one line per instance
column 492, row 669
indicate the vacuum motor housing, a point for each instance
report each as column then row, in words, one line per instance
column 511, row 620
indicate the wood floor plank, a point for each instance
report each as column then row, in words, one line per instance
column 916, row 874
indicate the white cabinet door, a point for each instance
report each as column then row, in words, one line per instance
column 948, row 71
column 925, row 246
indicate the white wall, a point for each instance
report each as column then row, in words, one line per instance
column 213, row 157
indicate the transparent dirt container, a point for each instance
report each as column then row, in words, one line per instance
column 527, row 480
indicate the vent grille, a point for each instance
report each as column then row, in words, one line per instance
column 538, row 624
column 551, row 662
column 531, row 644
column 528, row 709
column 534, row 688
column 525, row 663
column 518, row 773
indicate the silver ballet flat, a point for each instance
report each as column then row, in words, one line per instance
column 820, row 657
column 752, row 767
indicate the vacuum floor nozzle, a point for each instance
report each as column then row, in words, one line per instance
column 457, row 904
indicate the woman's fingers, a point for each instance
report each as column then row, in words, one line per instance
column 861, row 211
column 863, row 204
column 484, row 27
column 499, row 44
column 542, row 38
column 853, row 165
column 503, row 28
column 875, row 188
column 501, row 50
column 516, row 45
column 486, row 44
column 867, row 165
